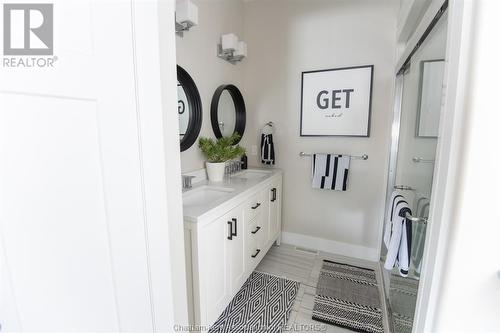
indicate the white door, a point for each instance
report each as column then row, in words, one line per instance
column 74, row 215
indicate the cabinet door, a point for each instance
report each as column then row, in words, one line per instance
column 223, row 261
column 235, row 248
column 274, row 209
column 215, row 275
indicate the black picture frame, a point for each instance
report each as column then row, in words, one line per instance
column 372, row 67
column 195, row 108
column 240, row 109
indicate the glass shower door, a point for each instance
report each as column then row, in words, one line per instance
column 412, row 165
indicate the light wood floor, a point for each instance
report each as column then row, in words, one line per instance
column 304, row 267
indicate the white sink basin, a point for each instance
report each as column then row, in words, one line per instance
column 204, row 195
column 252, row 174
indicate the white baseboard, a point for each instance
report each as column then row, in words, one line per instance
column 325, row 245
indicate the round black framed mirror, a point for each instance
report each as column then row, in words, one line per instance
column 228, row 112
column 188, row 108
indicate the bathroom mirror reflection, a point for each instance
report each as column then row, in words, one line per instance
column 183, row 110
column 430, row 101
column 188, row 109
column 228, row 112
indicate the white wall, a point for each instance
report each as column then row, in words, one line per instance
column 286, row 37
column 197, row 54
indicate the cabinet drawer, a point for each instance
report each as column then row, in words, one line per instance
column 254, row 254
column 254, row 206
column 255, row 239
column 255, row 229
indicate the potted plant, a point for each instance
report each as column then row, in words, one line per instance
column 218, row 152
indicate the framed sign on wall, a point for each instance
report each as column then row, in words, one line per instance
column 336, row 102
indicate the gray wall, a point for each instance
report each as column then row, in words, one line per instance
column 286, row 37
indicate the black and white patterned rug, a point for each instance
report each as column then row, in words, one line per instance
column 348, row 296
column 263, row 304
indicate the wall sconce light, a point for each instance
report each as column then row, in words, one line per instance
column 186, row 16
column 231, row 49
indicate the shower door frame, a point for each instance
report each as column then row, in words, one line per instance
column 434, row 15
column 393, row 158
column 446, row 170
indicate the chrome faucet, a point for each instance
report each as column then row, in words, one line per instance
column 187, row 181
column 232, row 167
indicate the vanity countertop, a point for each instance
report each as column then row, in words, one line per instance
column 205, row 199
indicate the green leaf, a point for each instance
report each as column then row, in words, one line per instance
column 221, row 150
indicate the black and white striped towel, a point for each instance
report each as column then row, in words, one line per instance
column 398, row 234
column 330, row 171
column 267, row 149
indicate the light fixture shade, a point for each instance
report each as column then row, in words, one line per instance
column 229, row 42
column 186, row 12
column 241, row 50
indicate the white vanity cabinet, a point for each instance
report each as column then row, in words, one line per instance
column 227, row 242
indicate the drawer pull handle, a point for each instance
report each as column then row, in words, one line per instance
column 256, row 205
column 235, row 227
column 256, row 230
column 273, row 191
column 256, row 253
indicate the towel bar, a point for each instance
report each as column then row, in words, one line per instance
column 269, row 124
column 416, row 219
column 404, row 188
column 417, row 159
column 362, row 157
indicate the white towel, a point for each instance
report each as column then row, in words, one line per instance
column 318, row 169
column 330, row 171
column 395, row 196
column 398, row 236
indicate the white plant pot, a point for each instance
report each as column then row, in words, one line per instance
column 215, row 171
